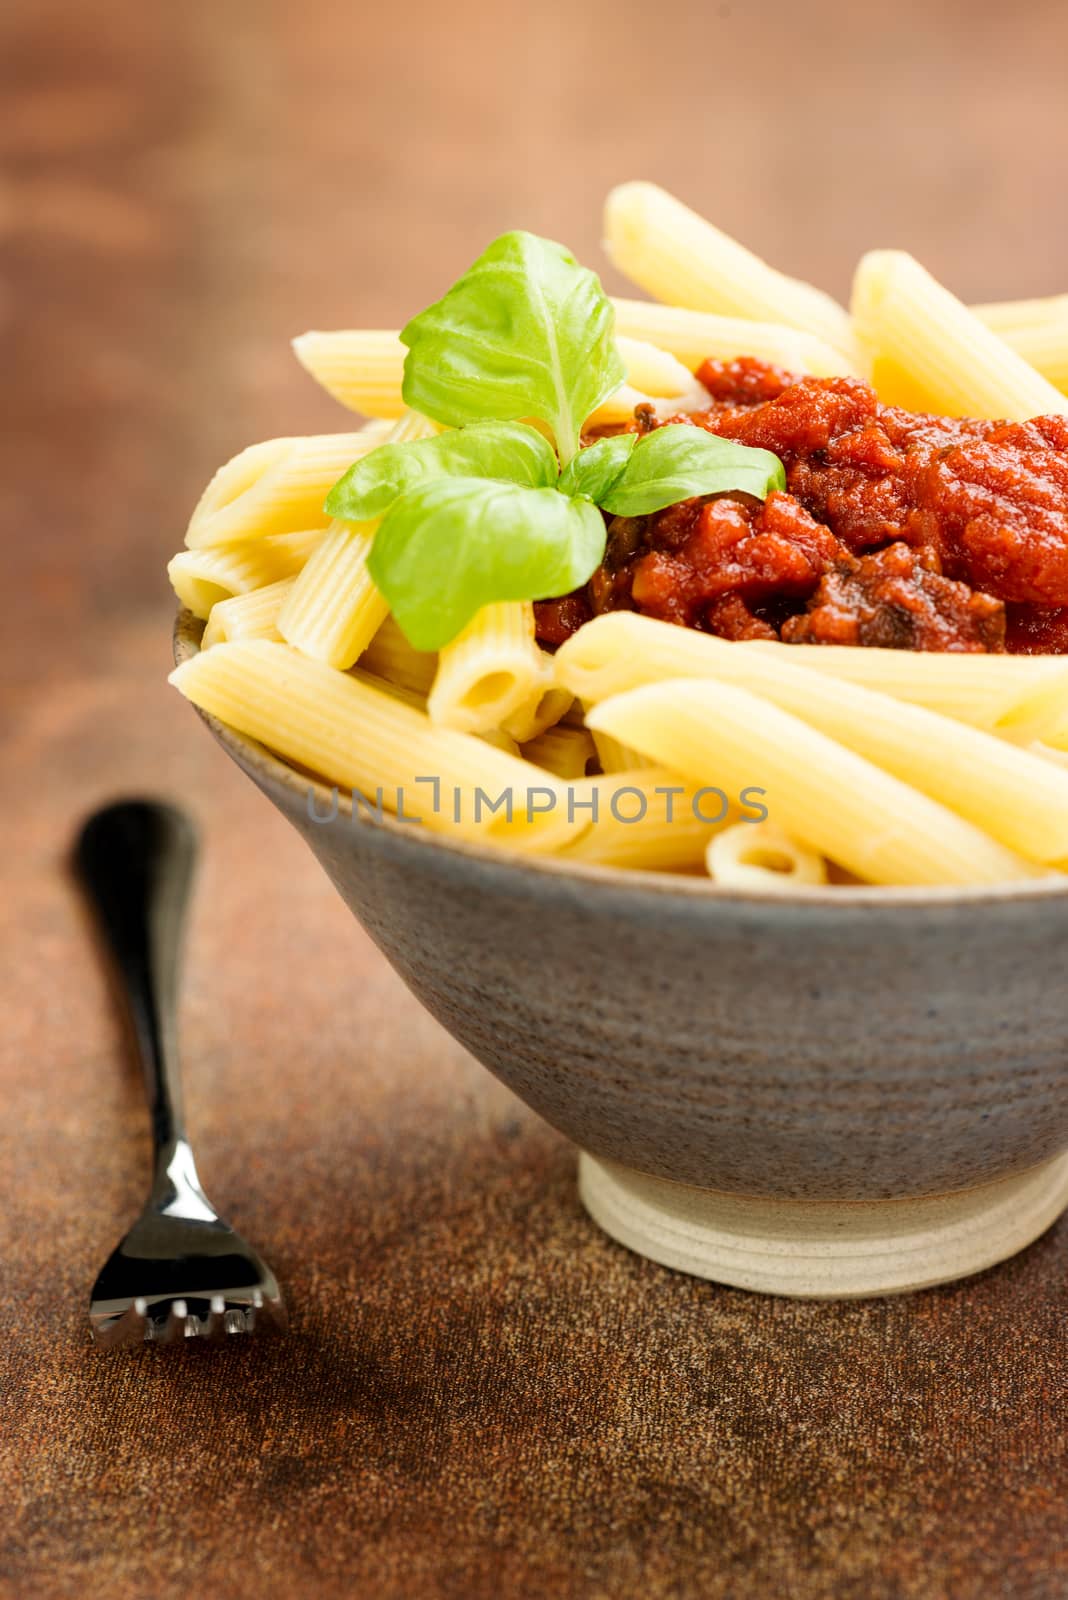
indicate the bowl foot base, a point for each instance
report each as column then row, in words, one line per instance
column 823, row 1250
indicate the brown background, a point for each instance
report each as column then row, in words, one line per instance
column 481, row 1396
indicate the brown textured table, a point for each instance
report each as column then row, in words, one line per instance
column 481, row 1396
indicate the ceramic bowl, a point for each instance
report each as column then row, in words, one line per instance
column 837, row 1093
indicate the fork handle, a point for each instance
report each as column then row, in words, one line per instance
column 136, row 859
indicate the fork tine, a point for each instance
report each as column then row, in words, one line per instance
column 172, row 1321
column 127, row 1328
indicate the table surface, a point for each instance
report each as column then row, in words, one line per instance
column 481, row 1396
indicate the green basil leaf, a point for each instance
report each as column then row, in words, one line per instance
column 679, row 461
column 450, row 547
column 526, row 332
column 595, row 471
column 510, row 451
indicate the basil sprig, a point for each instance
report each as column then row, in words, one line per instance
column 629, row 477
column 513, row 543
column 507, row 451
column 526, row 332
column 490, row 510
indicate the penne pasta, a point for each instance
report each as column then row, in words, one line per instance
column 363, row 368
column 200, row 578
column 408, row 697
column 1021, row 698
column 371, row 743
column 390, row 656
column 500, row 741
column 1049, row 752
column 620, row 407
column 1056, row 737
column 677, row 256
column 821, row 793
column 566, row 751
column 492, row 670
column 247, row 616
column 412, row 697
column 1036, row 329
column 693, row 336
column 1009, row 793
column 236, row 476
column 927, row 351
column 651, row 820
column 654, row 371
column 654, row 378
column 334, row 609
column 1002, row 788
column 545, row 711
column 615, row 757
column 282, row 490
column 759, row 855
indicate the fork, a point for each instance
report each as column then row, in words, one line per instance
column 181, row 1271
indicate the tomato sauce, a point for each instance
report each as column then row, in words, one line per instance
column 897, row 529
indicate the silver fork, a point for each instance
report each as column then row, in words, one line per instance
column 181, row 1271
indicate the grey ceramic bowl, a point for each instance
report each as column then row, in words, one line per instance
column 846, row 1091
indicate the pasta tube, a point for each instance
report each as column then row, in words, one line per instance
column 412, row 697
column 1019, row 697
column 651, row 820
column 1011, row 794
column 500, row 741
column 566, row 751
column 247, row 616
column 654, row 378
column 238, row 475
column 390, row 656
column 1056, row 738
column 373, row 744
column 363, row 368
column 492, row 669
column 408, row 697
column 821, row 793
column 654, row 371
column 759, row 855
column 929, row 352
column 676, row 256
column 334, row 609
column 620, row 406
column 1036, row 329
column 615, row 757
column 694, row 336
column 543, row 711
column 200, row 578
column 282, row 491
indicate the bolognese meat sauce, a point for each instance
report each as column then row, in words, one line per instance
column 896, row 529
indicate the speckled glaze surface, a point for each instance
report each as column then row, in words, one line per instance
column 848, row 1045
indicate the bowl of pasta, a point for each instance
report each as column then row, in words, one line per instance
column 677, row 692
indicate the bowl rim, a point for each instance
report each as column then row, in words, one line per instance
column 599, row 878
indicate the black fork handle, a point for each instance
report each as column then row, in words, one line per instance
column 136, row 859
